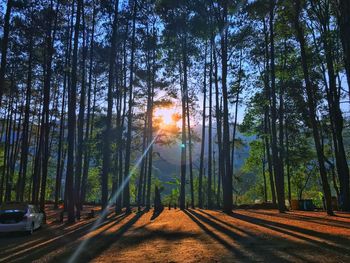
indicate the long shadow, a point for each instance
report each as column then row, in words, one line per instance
column 341, row 215
column 48, row 244
column 307, row 218
column 147, row 235
column 298, row 232
column 98, row 244
column 291, row 252
column 286, row 248
column 223, row 242
column 248, row 242
column 217, row 226
column 52, row 227
column 53, row 242
column 20, row 241
column 248, row 233
column 156, row 213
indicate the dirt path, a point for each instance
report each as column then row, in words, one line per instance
column 190, row 236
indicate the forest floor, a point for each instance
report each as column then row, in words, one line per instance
column 187, row 236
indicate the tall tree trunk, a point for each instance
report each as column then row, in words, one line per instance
column 81, row 116
column 7, row 145
column 59, row 167
column 37, row 160
column 184, row 95
column 147, row 134
column 149, row 159
column 144, row 188
column 335, row 113
column 126, row 194
column 119, row 200
column 218, row 132
column 227, row 175
column 288, row 165
column 118, row 154
column 236, row 113
column 10, row 143
column 4, row 46
column 72, row 119
column 51, row 32
column 17, row 143
column 344, row 25
column 267, row 130
column 143, row 162
column 190, row 151
column 107, row 140
column 88, row 115
column 210, row 126
column 201, row 164
column 150, row 125
column 278, row 171
column 66, row 83
column 11, row 150
column 312, row 106
column 264, row 173
column 25, row 133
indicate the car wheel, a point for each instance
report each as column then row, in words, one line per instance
column 31, row 230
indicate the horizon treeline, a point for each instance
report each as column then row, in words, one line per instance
column 80, row 81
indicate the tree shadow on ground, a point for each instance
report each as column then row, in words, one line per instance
column 202, row 222
column 307, row 218
column 147, row 235
column 99, row 243
column 270, row 247
column 326, row 241
column 343, row 215
column 52, row 240
column 156, row 213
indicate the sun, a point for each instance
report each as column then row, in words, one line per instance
column 165, row 115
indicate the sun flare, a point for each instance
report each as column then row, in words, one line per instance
column 167, row 116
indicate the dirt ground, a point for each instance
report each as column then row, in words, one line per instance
column 187, row 236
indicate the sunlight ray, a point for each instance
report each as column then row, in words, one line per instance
column 111, row 201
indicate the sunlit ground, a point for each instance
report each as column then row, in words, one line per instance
column 189, row 236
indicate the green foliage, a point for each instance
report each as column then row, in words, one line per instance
column 93, row 189
column 174, row 195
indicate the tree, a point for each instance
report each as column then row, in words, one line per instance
column 107, row 133
column 278, row 169
column 321, row 11
column 4, row 47
column 201, row 166
column 72, row 118
column 311, row 105
column 130, row 112
column 344, row 25
column 226, row 154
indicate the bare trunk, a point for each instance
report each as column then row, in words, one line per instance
column 227, row 175
column 201, row 164
column 25, row 133
column 80, row 128
column 344, row 25
column 126, row 193
column 267, row 125
column 278, row 170
column 72, row 120
column 218, row 134
column 4, row 45
column 312, row 107
column 183, row 131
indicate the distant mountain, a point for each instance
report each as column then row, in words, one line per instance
column 166, row 164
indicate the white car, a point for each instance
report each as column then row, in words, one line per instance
column 18, row 217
